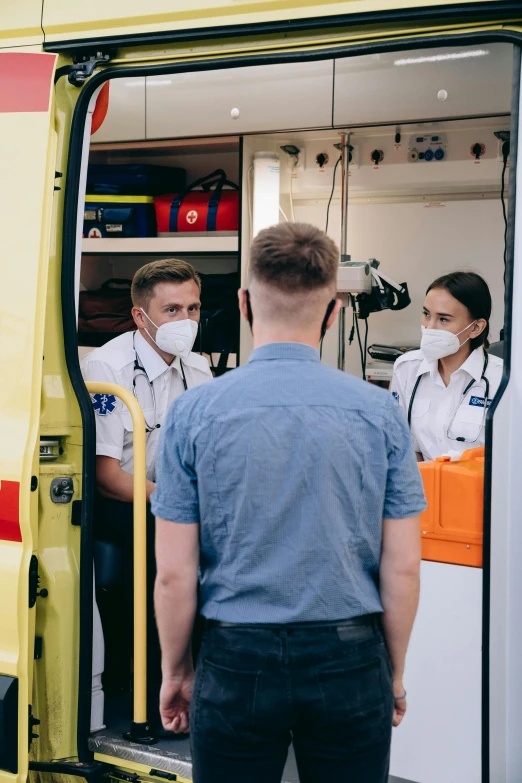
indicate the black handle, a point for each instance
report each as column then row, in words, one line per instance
column 217, row 178
column 158, row 773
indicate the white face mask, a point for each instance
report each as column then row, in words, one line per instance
column 174, row 337
column 438, row 343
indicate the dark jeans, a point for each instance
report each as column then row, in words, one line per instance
column 327, row 689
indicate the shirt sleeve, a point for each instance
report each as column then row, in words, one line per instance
column 176, row 495
column 108, row 410
column 404, row 489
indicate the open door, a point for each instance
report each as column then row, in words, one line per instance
column 27, row 155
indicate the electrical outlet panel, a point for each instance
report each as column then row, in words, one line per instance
column 499, row 151
column 427, row 148
column 294, row 166
column 354, row 163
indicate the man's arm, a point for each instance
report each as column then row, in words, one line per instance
column 115, row 483
column 399, row 588
column 175, row 601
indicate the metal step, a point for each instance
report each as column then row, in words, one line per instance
column 172, row 755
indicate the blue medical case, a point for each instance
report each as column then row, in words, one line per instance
column 119, row 217
column 134, row 179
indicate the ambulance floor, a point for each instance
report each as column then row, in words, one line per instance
column 169, row 755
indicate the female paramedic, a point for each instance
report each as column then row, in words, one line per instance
column 446, row 386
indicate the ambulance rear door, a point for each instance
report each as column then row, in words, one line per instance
column 27, row 175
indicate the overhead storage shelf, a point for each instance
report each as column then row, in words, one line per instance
column 162, row 245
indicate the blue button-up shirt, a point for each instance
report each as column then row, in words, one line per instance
column 289, row 467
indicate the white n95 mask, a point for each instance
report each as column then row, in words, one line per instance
column 438, row 343
column 174, row 337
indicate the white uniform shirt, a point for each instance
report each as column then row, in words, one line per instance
column 434, row 403
column 114, row 362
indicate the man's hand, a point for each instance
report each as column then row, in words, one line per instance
column 177, row 557
column 399, row 705
column 175, row 697
column 115, row 483
column 399, row 588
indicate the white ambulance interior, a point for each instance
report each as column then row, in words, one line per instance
column 420, row 214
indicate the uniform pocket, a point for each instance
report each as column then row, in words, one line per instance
column 469, row 414
column 419, row 408
column 129, row 424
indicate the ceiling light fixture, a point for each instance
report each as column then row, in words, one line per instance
column 436, row 58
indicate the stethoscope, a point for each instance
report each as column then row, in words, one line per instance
column 140, row 370
column 470, row 385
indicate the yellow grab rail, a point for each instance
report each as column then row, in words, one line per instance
column 140, row 553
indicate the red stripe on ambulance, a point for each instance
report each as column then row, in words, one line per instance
column 10, row 511
column 25, row 81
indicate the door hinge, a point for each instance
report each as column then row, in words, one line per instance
column 34, row 581
column 32, row 723
column 62, row 489
column 83, row 67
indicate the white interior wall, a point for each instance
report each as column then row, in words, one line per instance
column 415, row 244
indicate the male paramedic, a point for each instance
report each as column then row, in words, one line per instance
column 296, row 490
column 156, row 364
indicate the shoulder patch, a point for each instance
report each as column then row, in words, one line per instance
column 103, row 404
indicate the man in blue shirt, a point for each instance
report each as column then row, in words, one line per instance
column 295, row 489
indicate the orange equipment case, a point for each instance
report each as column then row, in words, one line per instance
column 452, row 525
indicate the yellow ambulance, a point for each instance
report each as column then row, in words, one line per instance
column 427, row 94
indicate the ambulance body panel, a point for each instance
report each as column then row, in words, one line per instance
column 42, row 432
column 63, row 21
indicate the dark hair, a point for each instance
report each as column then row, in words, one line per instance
column 294, row 257
column 472, row 291
column 168, row 270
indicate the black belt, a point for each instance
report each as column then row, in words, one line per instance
column 364, row 619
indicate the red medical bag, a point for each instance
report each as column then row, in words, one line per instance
column 207, row 210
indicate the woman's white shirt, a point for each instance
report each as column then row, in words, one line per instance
column 435, row 404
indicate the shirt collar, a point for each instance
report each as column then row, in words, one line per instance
column 274, row 351
column 473, row 365
column 150, row 359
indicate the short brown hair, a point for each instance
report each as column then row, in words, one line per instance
column 294, row 257
column 168, row 270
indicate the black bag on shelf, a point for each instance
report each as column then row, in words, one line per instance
column 219, row 324
column 134, row 179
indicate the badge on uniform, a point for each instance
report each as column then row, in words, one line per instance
column 103, row 404
column 478, row 402
column 395, row 396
